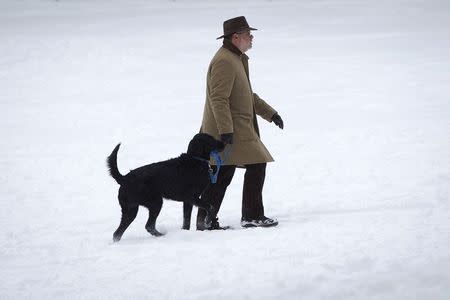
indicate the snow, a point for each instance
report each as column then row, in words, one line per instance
column 361, row 181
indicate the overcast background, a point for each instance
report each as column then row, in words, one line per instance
column 360, row 184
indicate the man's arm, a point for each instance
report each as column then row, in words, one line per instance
column 263, row 109
column 221, row 85
column 266, row 111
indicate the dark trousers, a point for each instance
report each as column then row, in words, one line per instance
column 252, row 202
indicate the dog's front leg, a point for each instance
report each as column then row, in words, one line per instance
column 209, row 216
column 187, row 212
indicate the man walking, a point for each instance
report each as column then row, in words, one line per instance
column 230, row 114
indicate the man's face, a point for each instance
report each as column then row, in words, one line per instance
column 243, row 40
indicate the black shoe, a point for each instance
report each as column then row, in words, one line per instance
column 214, row 226
column 201, row 226
column 262, row 222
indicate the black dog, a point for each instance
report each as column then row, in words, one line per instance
column 181, row 179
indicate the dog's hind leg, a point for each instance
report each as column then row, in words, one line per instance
column 187, row 212
column 128, row 216
column 154, row 207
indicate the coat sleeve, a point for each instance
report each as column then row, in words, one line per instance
column 263, row 109
column 221, row 85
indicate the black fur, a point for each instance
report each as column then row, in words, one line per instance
column 181, row 179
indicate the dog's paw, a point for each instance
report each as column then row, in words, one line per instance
column 116, row 238
column 154, row 232
column 157, row 234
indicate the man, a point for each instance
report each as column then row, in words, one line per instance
column 230, row 114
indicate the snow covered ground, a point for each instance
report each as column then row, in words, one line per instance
column 362, row 174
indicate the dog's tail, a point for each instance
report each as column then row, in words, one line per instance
column 112, row 166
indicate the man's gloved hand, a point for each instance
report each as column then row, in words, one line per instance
column 227, row 138
column 278, row 120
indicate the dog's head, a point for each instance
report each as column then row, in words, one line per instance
column 203, row 144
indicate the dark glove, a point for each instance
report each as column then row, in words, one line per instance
column 278, row 120
column 227, row 138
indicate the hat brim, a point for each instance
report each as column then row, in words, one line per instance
column 222, row 36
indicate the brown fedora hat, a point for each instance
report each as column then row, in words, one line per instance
column 234, row 25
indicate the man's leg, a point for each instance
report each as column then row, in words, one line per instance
column 252, row 202
column 215, row 193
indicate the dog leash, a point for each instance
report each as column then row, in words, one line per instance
column 219, row 162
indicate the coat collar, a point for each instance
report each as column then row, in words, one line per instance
column 227, row 44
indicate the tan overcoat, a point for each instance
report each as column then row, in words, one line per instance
column 231, row 107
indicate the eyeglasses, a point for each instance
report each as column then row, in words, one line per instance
column 247, row 33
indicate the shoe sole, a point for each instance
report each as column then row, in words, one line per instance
column 221, row 228
column 250, row 225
